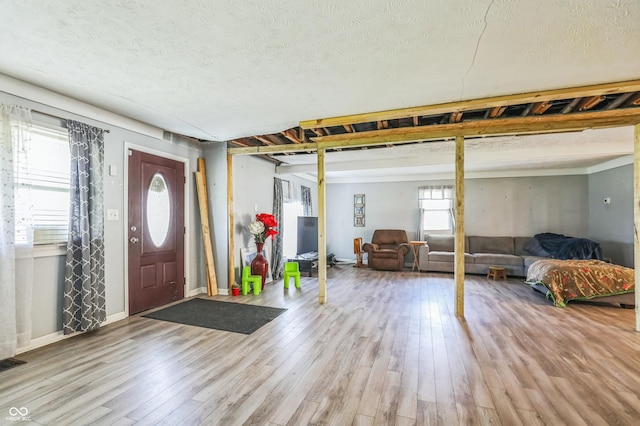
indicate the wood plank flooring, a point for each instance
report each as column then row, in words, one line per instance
column 385, row 349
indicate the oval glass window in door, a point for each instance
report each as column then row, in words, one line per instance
column 158, row 210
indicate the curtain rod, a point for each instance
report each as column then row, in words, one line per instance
column 60, row 118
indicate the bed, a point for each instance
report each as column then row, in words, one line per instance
column 566, row 280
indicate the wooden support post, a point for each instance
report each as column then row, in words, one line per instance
column 231, row 237
column 203, row 171
column 459, row 238
column 322, row 241
column 203, row 202
column 636, row 217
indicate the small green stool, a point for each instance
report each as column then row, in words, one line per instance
column 291, row 270
column 247, row 278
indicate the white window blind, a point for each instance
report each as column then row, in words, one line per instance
column 436, row 209
column 45, row 181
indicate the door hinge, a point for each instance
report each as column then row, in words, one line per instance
column 185, row 179
column 185, row 230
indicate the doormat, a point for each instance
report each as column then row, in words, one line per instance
column 8, row 363
column 226, row 316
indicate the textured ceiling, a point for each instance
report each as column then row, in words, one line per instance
column 223, row 69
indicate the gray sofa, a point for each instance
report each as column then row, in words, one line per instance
column 480, row 253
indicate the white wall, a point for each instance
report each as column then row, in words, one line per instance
column 493, row 207
column 612, row 224
column 253, row 193
column 215, row 156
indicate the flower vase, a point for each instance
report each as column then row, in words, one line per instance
column 259, row 264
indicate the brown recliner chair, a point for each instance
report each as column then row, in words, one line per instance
column 387, row 249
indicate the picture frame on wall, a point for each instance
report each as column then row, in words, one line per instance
column 358, row 210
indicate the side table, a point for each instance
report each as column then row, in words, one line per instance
column 415, row 246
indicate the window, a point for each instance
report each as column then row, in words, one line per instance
column 44, row 180
column 436, row 209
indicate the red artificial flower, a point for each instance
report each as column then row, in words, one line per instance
column 269, row 222
column 271, row 233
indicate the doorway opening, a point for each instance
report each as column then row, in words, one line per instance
column 292, row 209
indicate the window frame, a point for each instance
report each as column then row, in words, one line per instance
column 49, row 235
column 436, row 193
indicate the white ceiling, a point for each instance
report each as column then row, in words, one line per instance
column 223, row 69
column 565, row 153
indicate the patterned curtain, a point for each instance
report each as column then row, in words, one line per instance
column 16, row 230
column 306, row 200
column 277, row 257
column 84, row 286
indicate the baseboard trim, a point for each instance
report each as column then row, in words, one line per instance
column 197, row 291
column 203, row 290
column 58, row 336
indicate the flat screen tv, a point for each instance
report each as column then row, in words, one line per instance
column 307, row 234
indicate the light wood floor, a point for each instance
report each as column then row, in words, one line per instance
column 385, row 349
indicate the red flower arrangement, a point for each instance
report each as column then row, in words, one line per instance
column 263, row 227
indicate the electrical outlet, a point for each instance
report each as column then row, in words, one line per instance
column 113, row 214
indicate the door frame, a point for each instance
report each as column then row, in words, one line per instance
column 125, row 214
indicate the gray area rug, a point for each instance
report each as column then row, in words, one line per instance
column 226, row 316
column 8, row 363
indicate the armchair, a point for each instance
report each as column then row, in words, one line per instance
column 387, row 249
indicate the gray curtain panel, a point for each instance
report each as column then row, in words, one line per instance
column 84, row 286
column 277, row 256
column 306, row 201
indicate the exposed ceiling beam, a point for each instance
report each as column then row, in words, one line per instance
column 264, row 140
column 290, row 135
column 496, row 112
column 383, row 124
column 502, row 126
column 590, row 102
column 474, row 104
column 541, row 107
column 240, row 142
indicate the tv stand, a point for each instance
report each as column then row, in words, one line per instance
column 307, row 262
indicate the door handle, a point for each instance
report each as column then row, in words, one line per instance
column 134, row 240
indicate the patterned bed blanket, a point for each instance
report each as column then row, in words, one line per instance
column 580, row 279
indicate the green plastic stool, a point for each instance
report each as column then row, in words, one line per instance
column 247, row 278
column 291, row 270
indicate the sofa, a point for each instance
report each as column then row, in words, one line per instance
column 437, row 255
column 387, row 249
